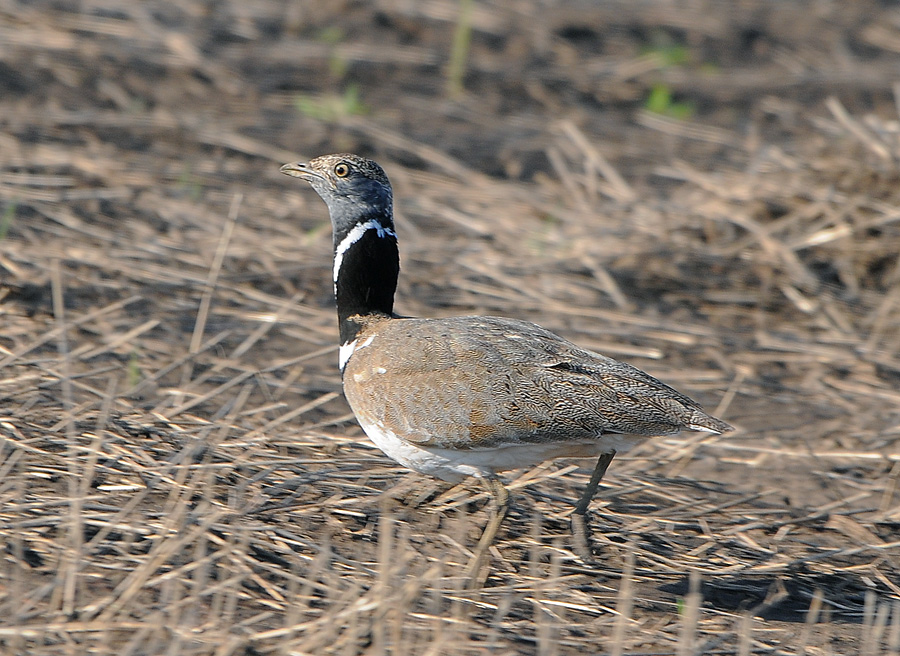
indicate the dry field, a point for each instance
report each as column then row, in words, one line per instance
column 708, row 190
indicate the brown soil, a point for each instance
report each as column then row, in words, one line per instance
column 708, row 190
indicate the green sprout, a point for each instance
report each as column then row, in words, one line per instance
column 669, row 54
column 189, row 183
column 337, row 65
column 660, row 101
column 6, row 219
column 133, row 370
column 462, row 39
column 330, row 107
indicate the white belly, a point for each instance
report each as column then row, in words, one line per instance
column 453, row 465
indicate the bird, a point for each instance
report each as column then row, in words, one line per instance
column 464, row 396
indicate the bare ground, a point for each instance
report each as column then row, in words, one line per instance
column 179, row 472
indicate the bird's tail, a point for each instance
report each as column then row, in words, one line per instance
column 700, row 421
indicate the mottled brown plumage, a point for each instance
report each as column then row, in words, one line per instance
column 487, row 382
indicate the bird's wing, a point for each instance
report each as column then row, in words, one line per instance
column 470, row 382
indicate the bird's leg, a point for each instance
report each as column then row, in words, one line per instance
column 579, row 530
column 500, row 501
column 597, row 476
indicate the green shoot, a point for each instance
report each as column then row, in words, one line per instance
column 462, row 39
column 6, row 219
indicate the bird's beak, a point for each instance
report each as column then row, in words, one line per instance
column 299, row 170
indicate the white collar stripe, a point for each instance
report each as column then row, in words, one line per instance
column 354, row 236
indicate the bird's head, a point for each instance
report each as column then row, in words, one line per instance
column 354, row 188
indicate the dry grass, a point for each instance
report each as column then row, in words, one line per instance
column 179, row 473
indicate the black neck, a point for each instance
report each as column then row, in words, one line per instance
column 367, row 276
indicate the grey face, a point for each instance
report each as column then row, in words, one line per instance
column 351, row 186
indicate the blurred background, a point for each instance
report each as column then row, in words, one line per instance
column 708, row 190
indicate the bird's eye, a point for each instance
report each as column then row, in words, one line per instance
column 341, row 170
